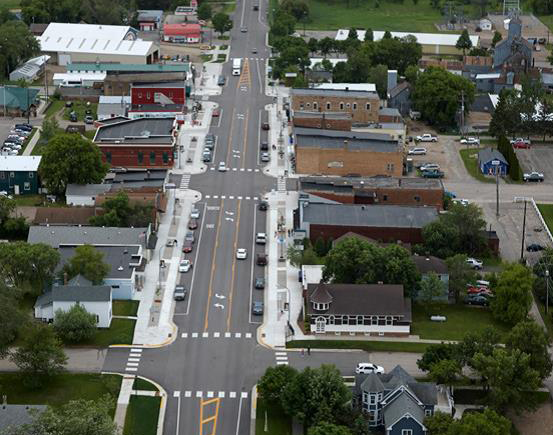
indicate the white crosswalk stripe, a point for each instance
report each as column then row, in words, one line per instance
column 281, row 358
column 133, row 360
column 247, row 335
column 281, row 184
column 185, row 181
column 210, row 394
column 240, row 197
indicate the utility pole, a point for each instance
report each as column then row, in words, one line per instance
column 463, row 112
column 496, row 164
column 523, row 232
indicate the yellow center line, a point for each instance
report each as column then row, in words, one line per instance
column 245, row 138
column 210, row 291
column 216, row 417
column 207, row 402
column 229, row 315
column 213, row 418
column 207, row 420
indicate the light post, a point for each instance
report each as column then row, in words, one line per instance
column 495, row 164
column 546, row 291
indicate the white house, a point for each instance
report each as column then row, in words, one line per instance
column 368, row 309
column 84, row 194
column 485, row 24
column 95, row 299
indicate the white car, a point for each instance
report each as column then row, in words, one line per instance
column 185, row 265
column 417, row 151
column 474, row 263
column 533, row 176
column 520, row 140
column 241, row 253
column 430, row 167
column 222, row 167
column 461, row 201
column 426, row 137
column 366, row 368
column 470, row 141
column 261, row 238
column 195, row 213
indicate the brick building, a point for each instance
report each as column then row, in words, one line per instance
column 138, row 143
column 362, row 105
column 331, row 152
column 322, row 120
column 378, row 190
column 325, row 219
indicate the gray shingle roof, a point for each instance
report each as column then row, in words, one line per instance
column 402, row 405
column 74, row 235
column 373, row 384
column 17, row 415
column 75, row 293
column 335, row 139
column 380, row 216
column 488, row 154
column 333, row 93
column 427, row 264
column 136, row 128
column 86, row 189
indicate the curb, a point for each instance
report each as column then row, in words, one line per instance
column 167, row 342
column 253, row 412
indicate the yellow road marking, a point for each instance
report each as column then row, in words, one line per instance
column 229, row 315
column 210, row 291
column 213, row 418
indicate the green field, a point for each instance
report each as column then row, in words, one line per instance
column 366, row 345
column 460, row 320
column 142, row 415
column 394, row 16
column 125, row 308
column 60, row 389
column 546, row 211
column 277, row 422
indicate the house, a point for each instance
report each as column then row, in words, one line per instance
column 513, row 50
column 485, row 24
column 30, row 70
column 19, row 175
column 96, row 299
column 17, row 101
column 430, row 264
column 158, row 100
column 138, row 143
column 486, row 159
column 190, row 33
column 397, row 403
column 369, row 309
column 431, row 43
column 12, row 416
column 78, row 42
column 376, row 190
column 363, row 105
column 331, row 152
column 385, row 223
column 149, row 20
column 38, row 29
column 113, row 106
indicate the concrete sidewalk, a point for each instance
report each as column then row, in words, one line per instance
column 78, row 360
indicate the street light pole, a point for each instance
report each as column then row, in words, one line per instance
column 523, row 232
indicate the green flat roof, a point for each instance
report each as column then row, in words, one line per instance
column 156, row 67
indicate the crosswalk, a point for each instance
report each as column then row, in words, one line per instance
column 216, row 335
column 185, row 181
column 281, row 184
column 212, row 394
column 247, row 198
column 281, row 358
column 238, row 169
column 133, row 360
column 253, row 58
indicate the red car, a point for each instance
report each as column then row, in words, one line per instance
column 187, row 246
column 193, row 224
column 521, row 145
column 216, row 113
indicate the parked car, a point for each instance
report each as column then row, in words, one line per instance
column 426, row 137
column 260, row 283
column 187, row 246
column 207, row 156
column 241, row 253
column 265, row 157
column 264, row 146
column 185, row 265
column 192, row 224
column 216, row 113
column 461, row 201
column 261, row 260
column 263, row 206
column 470, row 141
column 520, row 139
column 261, row 238
column 429, row 167
column 27, row 127
column 210, row 138
column 533, row 176
column 189, row 237
column 73, row 117
column 474, row 263
column 257, row 308
column 535, row 247
column 265, row 126
column 521, row 145
column 179, row 294
column 194, row 213
column 89, row 119
column 433, row 174
column 221, row 81
column 477, row 300
column 243, row 29
column 367, row 368
column 417, row 152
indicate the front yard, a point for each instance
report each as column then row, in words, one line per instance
column 125, row 308
column 546, row 211
column 273, row 418
column 121, row 331
column 460, row 320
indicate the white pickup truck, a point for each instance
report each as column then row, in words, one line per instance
column 426, row 137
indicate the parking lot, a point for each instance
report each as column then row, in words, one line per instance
column 5, row 127
column 538, row 158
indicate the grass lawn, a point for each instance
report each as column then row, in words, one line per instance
column 141, row 384
column 547, row 319
column 125, row 308
column 546, row 211
column 368, row 346
column 470, row 159
column 460, row 320
column 277, row 422
column 398, row 16
column 142, row 415
column 80, row 107
column 121, row 331
column 60, row 389
column 547, row 20
column 206, row 57
column 54, row 108
column 11, row 4
column 36, row 200
column 89, row 134
column 27, row 140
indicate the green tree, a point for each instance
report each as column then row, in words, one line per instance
column 221, row 22
column 435, row 353
column 75, row 325
column 481, row 4
column 325, row 46
column 387, row 35
column 297, row 8
column 274, row 381
column 507, row 375
column 91, row 417
column 352, row 34
column 439, row 423
column 459, row 274
column 396, row 53
column 431, row 288
column 49, row 129
column 487, row 422
column 88, row 262
column 369, row 35
column 283, row 25
column 483, row 343
column 445, row 371
column 496, row 38
column 379, row 76
column 117, row 212
column 506, row 119
column 464, row 43
column 204, row 11
column 11, row 318
column 532, row 339
column 437, row 94
column 18, row 45
column 70, row 158
column 513, row 296
column 7, row 207
column 324, row 428
column 316, row 395
column 313, row 45
column 39, row 355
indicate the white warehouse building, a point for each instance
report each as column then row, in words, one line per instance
column 96, row 43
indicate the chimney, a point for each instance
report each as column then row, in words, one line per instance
column 392, row 79
column 65, row 278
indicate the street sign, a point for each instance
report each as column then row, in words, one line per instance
column 496, row 162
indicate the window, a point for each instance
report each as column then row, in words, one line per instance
column 165, row 157
column 368, row 106
column 347, row 105
column 406, row 431
column 390, row 167
column 341, row 106
column 372, row 399
column 114, row 286
column 354, row 106
column 301, row 106
column 140, row 157
column 389, row 320
column 331, row 320
column 12, row 174
column 97, row 318
column 31, row 174
column 147, row 95
column 108, row 156
column 374, row 320
column 384, row 197
column 418, row 198
column 327, row 105
column 308, row 105
column 140, row 95
column 315, row 105
column 2, row 175
column 428, row 412
column 152, row 157
column 26, row 186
